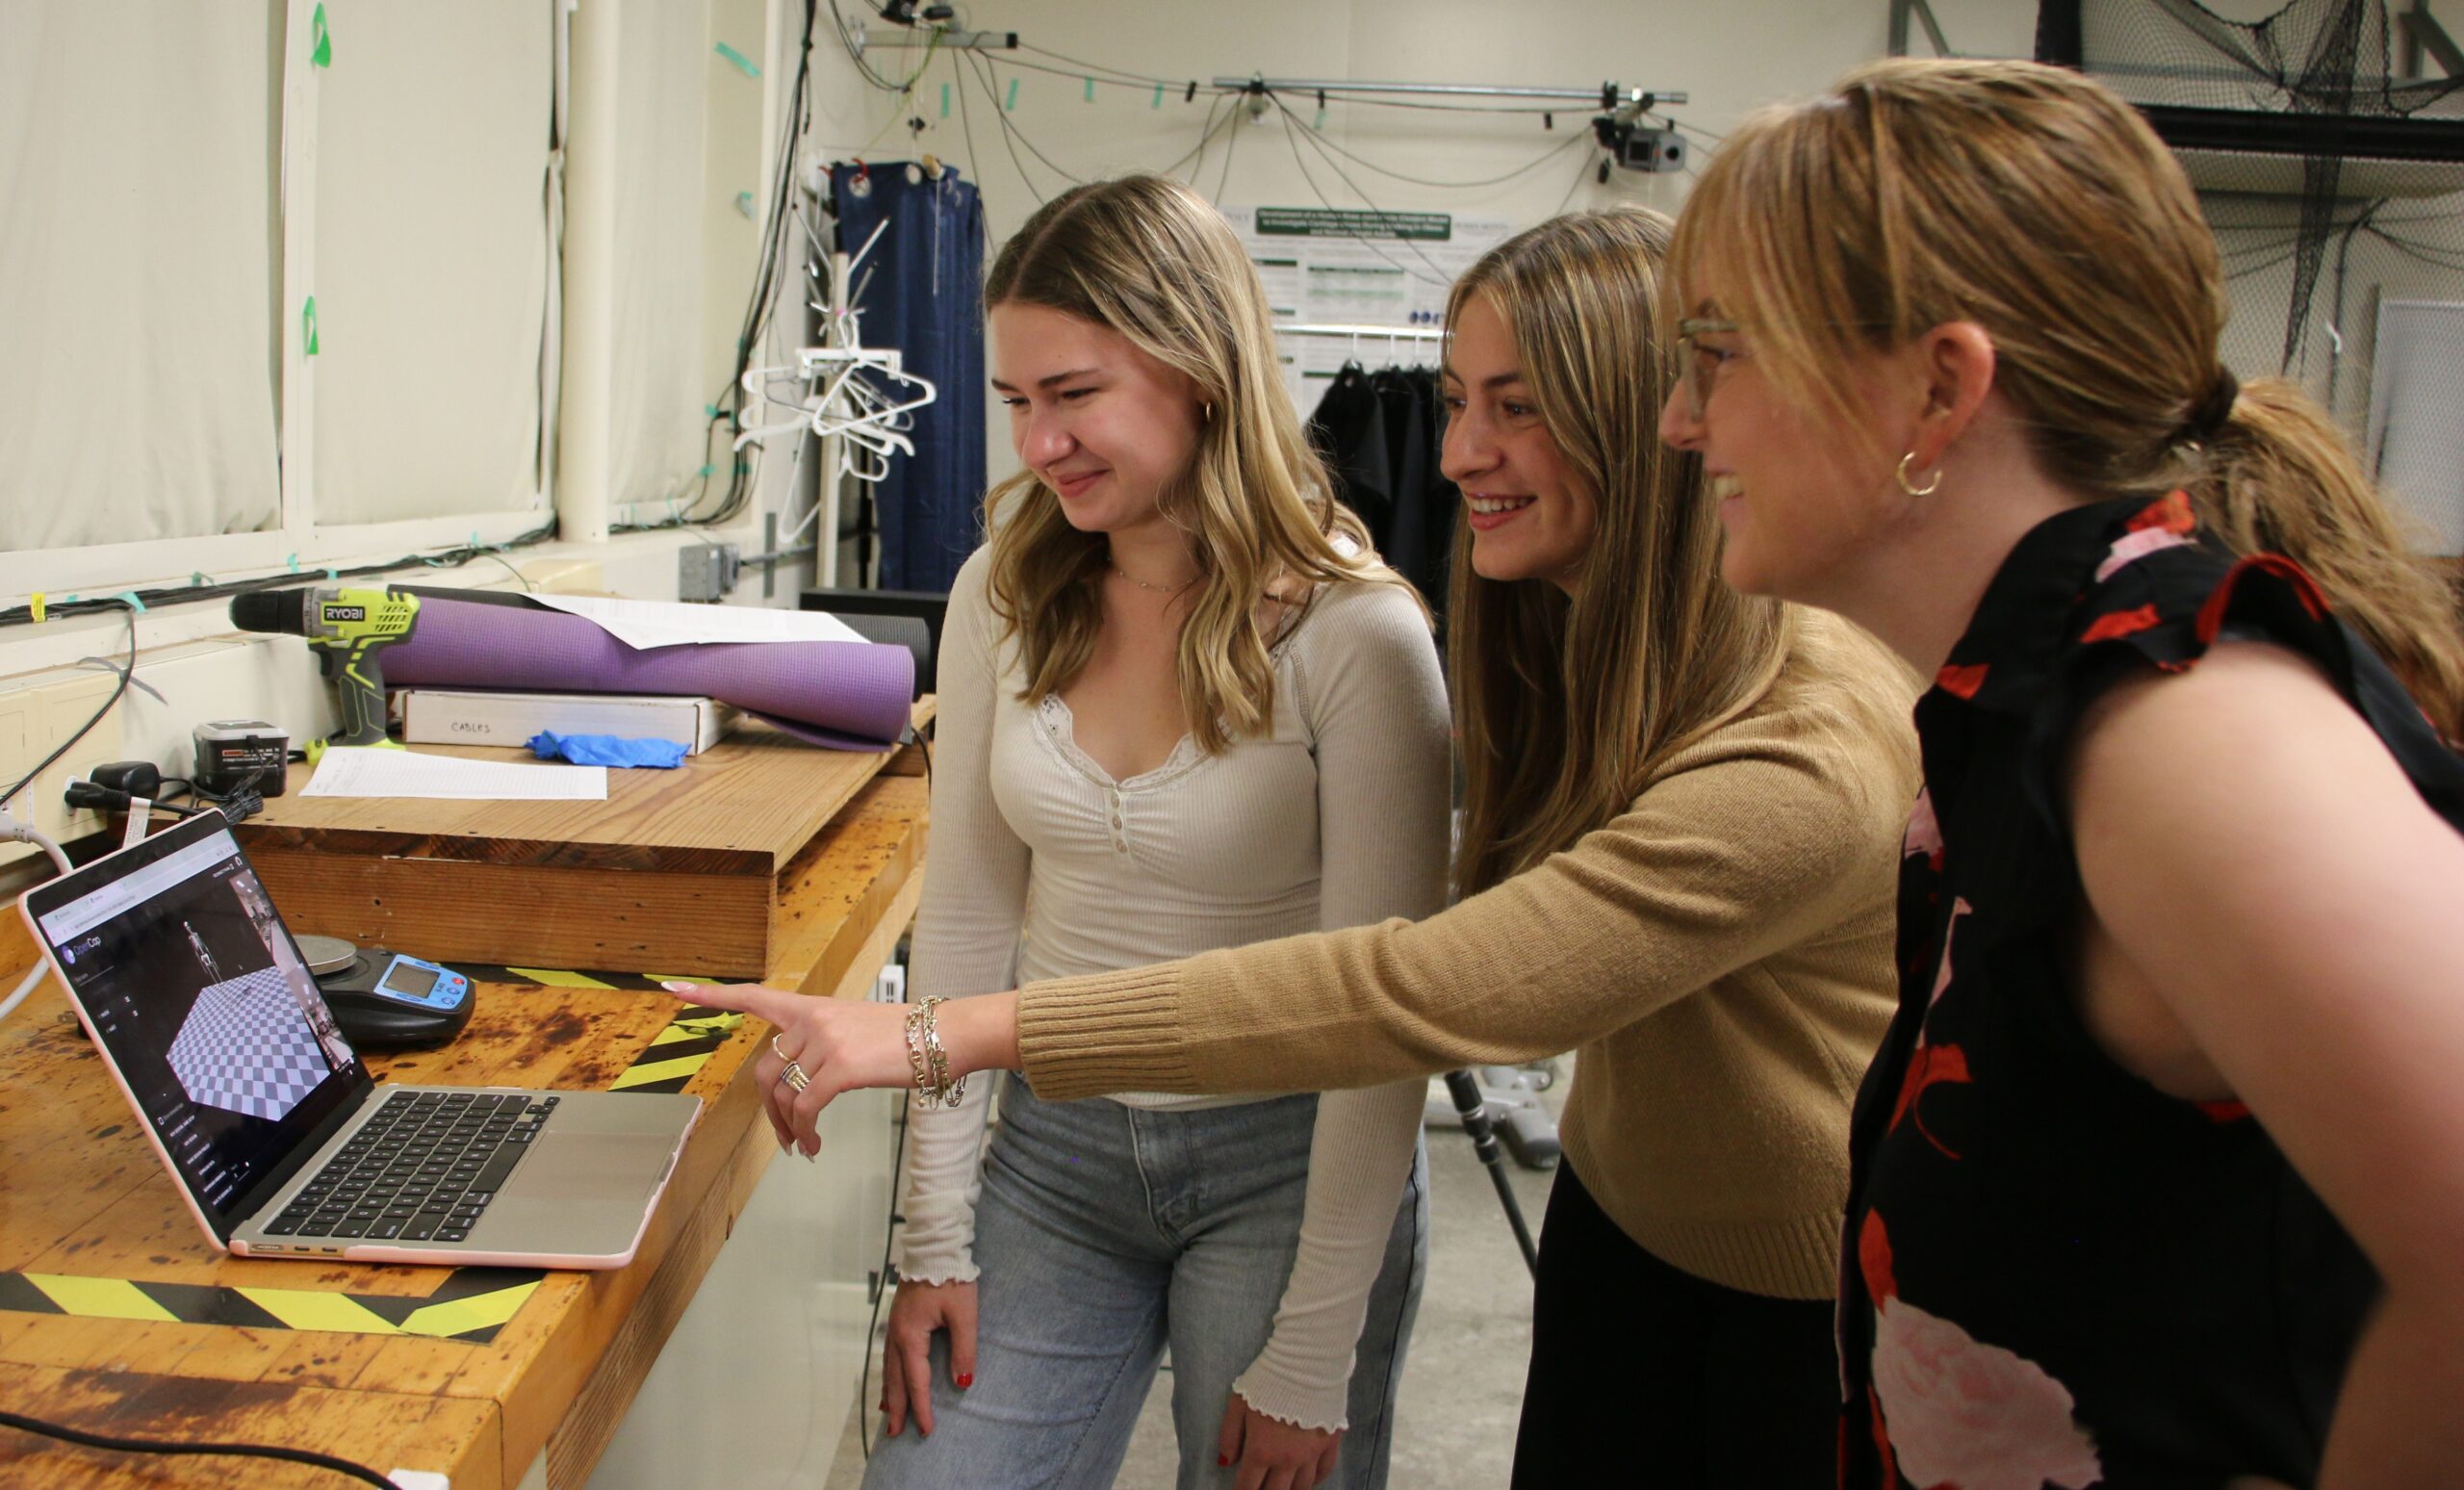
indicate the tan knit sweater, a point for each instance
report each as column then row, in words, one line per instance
column 1719, row 957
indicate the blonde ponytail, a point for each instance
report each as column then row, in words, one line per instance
column 2281, row 477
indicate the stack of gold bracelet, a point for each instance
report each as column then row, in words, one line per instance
column 927, row 1062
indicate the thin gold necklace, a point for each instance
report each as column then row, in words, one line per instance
column 1153, row 589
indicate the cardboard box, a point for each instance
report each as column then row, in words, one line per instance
column 449, row 716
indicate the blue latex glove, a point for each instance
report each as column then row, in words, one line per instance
column 607, row 749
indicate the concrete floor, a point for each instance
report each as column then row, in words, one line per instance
column 1463, row 1378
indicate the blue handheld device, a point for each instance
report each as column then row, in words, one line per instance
column 387, row 1000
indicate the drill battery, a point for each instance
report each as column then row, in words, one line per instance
column 236, row 752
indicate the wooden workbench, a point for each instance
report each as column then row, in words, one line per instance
column 82, row 1195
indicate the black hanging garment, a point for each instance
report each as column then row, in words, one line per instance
column 1425, row 500
column 1349, row 433
column 1380, row 434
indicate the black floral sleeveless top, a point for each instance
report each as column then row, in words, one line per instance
column 2052, row 1272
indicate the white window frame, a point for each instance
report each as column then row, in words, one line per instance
column 300, row 542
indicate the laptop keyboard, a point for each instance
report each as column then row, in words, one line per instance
column 422, row 1168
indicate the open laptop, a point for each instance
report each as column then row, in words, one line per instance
column 210, row 1020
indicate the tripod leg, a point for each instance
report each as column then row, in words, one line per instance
column 1466, row 1091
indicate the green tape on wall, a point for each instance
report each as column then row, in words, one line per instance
column 320, row 42
column 743, row 64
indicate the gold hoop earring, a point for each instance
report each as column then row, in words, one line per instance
column 1910, row 487
column 1206, row 413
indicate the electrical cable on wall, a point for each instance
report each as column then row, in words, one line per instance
column 985, row 74
column 991, row 88
column 1321, row 141
column 727, row 407
column 1231, row 144
column 1582, row 171
column 172, row 594
column 126, row 671
column 854, row 54
column 1292, row 137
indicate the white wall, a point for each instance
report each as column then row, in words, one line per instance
column 188, row 653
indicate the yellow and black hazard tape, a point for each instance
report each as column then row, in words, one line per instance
column 674, row 1054
column 679, row 1050
column 471, row 1304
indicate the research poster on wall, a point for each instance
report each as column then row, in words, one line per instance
column 1358, row 267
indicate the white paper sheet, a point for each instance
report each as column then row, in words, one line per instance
column 645, row 623
column 346, row 772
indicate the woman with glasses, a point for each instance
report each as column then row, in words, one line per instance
column 1682, row 812
column 2160, row 1172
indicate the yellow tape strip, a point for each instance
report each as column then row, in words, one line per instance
column 300, row 1309
column 479, row 1311
column 99, row 1298
column 648, row 1072
column 557, row 977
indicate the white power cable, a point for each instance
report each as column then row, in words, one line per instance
column 13, row 830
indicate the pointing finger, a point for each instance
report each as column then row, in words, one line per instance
column 771, row 1004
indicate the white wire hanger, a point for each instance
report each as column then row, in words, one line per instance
column 860, row 395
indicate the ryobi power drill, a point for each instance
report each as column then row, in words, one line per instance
column 346, row 629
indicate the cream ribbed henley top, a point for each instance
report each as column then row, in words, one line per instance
column 1044, row 867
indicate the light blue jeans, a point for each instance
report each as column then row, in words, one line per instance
column 1105, row 1233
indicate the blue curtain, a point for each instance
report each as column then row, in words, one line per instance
column 921, row 290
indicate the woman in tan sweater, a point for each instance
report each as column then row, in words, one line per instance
column 1682, row 819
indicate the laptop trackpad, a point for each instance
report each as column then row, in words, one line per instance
column 619, row 1169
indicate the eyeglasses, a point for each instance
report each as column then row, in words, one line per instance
column 1698, row 366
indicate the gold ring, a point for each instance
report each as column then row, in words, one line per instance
column 795, row 1077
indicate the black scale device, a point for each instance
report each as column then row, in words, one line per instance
column 385, row 1000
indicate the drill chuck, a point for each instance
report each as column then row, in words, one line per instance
column 273, row 611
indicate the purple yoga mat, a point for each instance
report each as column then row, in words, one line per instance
column 845, row 694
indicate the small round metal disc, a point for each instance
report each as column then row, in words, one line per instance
column 326, row 954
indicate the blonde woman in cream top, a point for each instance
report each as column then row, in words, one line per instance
column 1182, row 709
column 1044, row 867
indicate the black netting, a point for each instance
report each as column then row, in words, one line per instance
column 2327, row 144
column 2315, row 102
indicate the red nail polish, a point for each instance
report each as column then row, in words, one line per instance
column 967, row 1380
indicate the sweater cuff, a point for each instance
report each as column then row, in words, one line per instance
column 1107, row 1032
column 1294, row 1403
column 961, row 1269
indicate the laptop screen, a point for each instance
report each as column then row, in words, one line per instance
column 190, row 981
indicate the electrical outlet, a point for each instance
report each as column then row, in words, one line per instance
column 705, row 571
column 34, row 717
